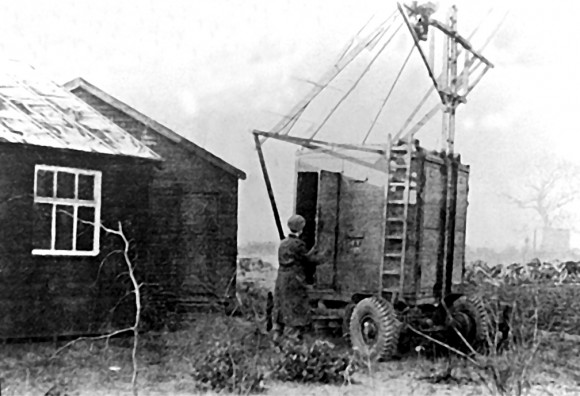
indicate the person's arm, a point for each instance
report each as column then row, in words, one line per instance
column 315, row 256
column 308, row 262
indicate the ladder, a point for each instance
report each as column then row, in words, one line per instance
column 401, row 193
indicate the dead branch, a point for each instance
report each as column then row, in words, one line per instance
column 103, row 263
column 14, row 198
column 136, row 290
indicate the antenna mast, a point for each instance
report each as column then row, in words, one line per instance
column 450, row 97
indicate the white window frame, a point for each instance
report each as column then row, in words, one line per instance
column 75, row 203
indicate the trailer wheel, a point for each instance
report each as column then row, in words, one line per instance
column 467, row 314
column 374, row 329
column 346, row 322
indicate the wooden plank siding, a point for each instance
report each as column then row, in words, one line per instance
column 44, row 296
column 194, row 204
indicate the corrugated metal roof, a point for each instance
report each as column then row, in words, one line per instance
column 35, row 110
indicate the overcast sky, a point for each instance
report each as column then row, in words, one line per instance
column 214, row 70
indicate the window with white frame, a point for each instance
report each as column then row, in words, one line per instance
column 67, row 211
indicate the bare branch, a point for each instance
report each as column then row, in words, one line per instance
column 136, row 291
column 14, row 198
column 103, row 263
column 550, row 187
column 93, row 338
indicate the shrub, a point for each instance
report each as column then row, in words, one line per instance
column 531, row 287
column 229, row 366
column 317, row 362
column 252, row 300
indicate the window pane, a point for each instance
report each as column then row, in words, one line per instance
column 85, row 232
column 65, row 185
column 44, row 183
column 64, row 227
column 86, row 187
column 42, row 226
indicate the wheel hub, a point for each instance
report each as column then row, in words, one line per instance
column 463, row 323
column 369, row 330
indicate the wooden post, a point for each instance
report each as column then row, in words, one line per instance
column 269, row 186
column 449, row 125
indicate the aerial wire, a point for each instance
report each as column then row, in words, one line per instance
column 376, row 34
column 349, row 45
column 494, row 32
column 357, row 81
column 388, row 95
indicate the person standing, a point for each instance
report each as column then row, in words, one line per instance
column 291, row 307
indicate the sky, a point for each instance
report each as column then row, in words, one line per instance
column 213, row 71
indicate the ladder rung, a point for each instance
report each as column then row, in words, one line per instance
column 400, row 146
column 395, row 236
column 391, row 272
column 389, row 255
column 397, row 184
column 396, row 202
column 396, row 219
column 391, row 289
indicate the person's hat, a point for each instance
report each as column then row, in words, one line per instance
column 296, row 223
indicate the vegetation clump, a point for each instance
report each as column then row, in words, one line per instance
column 315, row 362
column 229, row 367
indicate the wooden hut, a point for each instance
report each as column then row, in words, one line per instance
column 193, row 204
column 66, row 169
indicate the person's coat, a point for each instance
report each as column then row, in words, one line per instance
column 296, row 265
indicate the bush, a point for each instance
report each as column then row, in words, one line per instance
column 524, row 305
column 230, row 366
column 529, row 288
column 252, row 301
column 318, row 362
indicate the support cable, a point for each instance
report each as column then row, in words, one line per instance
column 357, row 81
column 352, row 40
column 388, row 95
column 286, row 126
column 494, row 32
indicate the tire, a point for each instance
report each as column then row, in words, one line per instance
column 374, row 329
column 468, row 315
column 346, row 322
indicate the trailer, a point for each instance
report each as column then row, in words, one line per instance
column 391, row 217
column 386, row 233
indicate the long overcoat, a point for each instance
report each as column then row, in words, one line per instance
column 291, row 307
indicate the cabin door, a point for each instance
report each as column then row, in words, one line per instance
column 361, row 236
column 327, row 227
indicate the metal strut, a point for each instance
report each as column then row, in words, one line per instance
column 269, row 186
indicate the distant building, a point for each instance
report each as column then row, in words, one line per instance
column 65, row 169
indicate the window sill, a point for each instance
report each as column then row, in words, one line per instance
column 68, row 253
